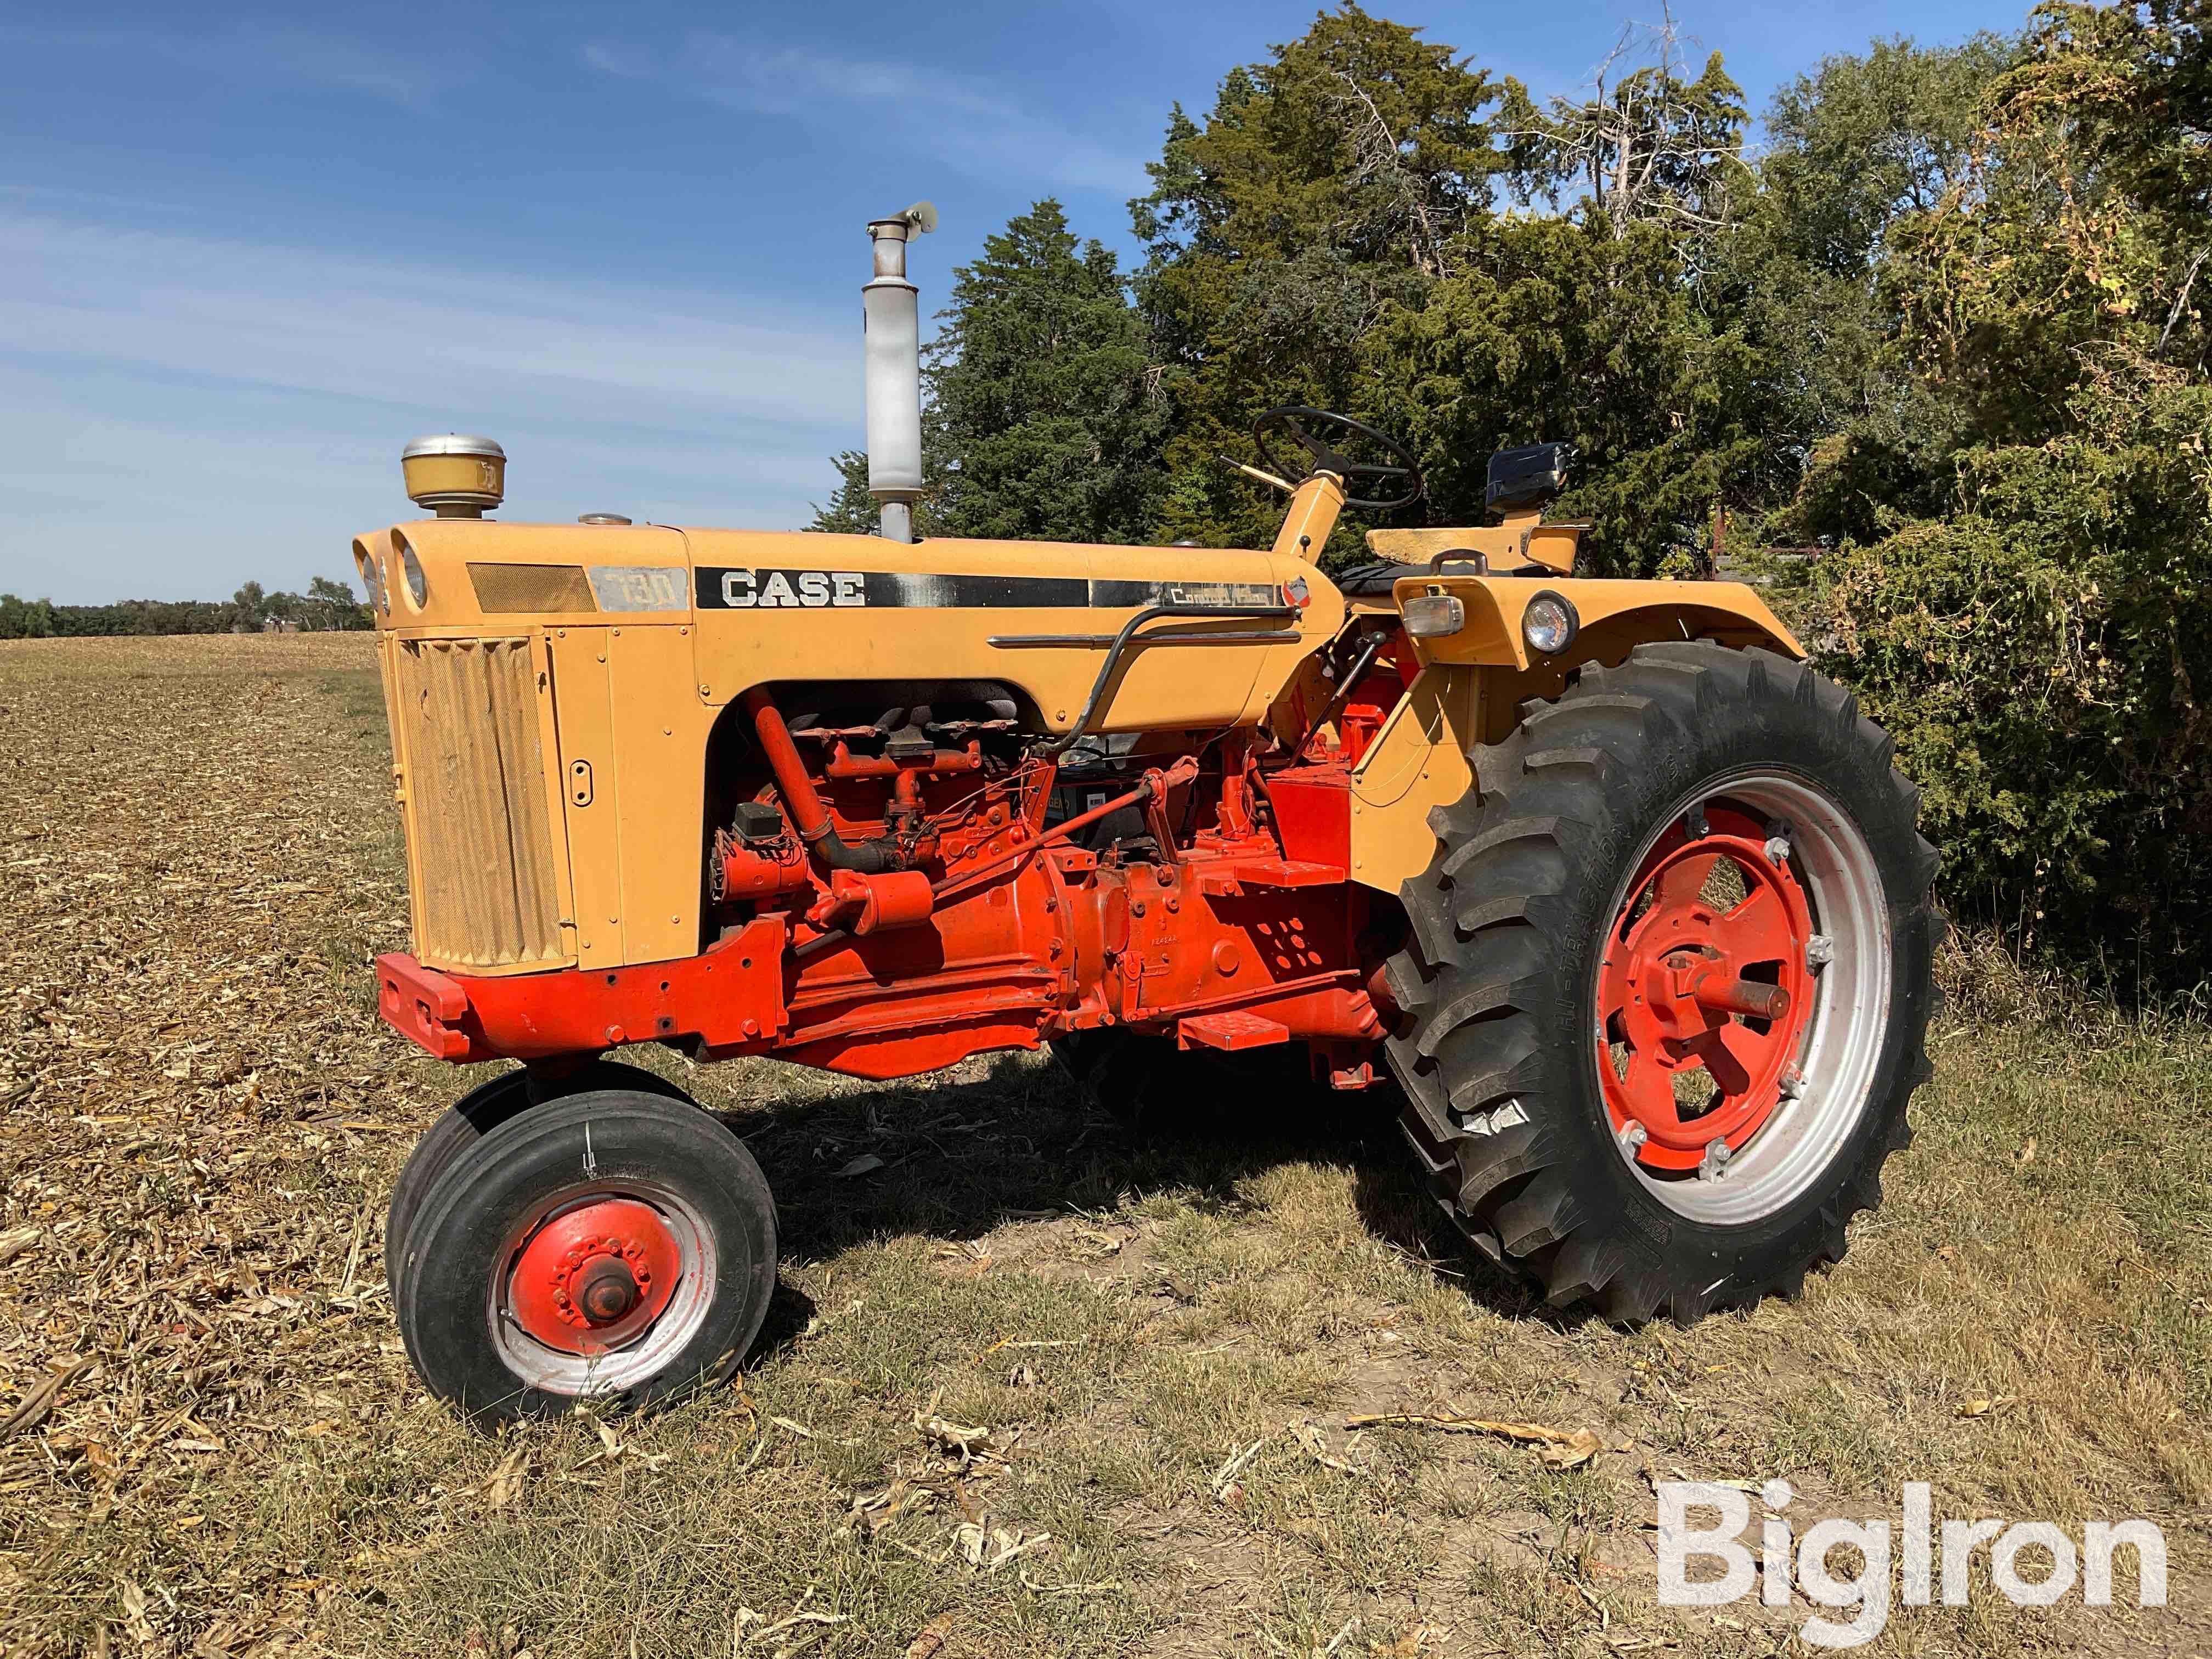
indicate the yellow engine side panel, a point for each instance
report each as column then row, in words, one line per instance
column 583, row 690
column 659, row 730
column 779, row 607
column 633, row 741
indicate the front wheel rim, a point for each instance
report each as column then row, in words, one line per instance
column 1748, row 961
column 600, row 1286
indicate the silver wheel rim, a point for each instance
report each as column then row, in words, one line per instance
column 1843, row 1043
column 551, row 1369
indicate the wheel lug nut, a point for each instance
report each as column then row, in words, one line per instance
column 1633, row 1137
column 1715, row 1160
column 1820, row 950
column 1777, row 850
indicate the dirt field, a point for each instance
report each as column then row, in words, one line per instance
column 212, row 1444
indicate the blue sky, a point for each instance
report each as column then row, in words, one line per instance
column 246, row 254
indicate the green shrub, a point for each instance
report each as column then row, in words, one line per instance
column 2040, row 656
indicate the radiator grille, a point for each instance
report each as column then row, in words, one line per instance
column 530, row 587
column 482, row 856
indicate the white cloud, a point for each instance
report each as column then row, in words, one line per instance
column 911, row 110
column 375, row 326
column 178, row 412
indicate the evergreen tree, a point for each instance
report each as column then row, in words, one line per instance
column 1328, row 187
column 1577, row 330
column 1043, row 412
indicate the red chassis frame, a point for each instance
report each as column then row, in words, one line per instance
column 1245, row 938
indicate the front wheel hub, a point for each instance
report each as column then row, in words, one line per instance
column 593, row 1276
column 605, row 1290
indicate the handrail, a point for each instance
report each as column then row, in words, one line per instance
column 1151, row 613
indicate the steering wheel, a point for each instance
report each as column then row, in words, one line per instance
column 1295, row 421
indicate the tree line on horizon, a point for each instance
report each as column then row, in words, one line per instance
column 326, row 606
column 1944, row 329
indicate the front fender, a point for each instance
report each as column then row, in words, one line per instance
column 1614, row 615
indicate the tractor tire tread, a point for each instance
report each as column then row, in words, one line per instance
column 1477, row 987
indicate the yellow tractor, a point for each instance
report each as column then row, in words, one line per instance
column 1625, row 902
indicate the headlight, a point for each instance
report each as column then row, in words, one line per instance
column 1433, row 614
column 418, row 584
column 1550, row 624
column 371, row 581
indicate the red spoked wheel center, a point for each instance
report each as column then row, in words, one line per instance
column 1704, row 992
column 594, row 1276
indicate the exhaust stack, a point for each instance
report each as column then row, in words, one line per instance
column 892, row 358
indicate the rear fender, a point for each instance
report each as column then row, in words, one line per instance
column 1474, row 680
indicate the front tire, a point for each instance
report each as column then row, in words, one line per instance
column 615, row 1246
column 475, row 1115
column 1667, row 983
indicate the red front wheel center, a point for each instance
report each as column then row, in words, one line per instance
column 1705, row 990
column 594, row 1275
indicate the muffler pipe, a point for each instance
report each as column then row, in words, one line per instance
column 891, row 359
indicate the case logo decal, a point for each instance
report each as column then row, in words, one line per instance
column 794, row 590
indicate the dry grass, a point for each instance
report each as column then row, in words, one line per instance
column 201, row 1119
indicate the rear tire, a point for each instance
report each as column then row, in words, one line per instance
column 615, row 1246
column 475, row 1114
column 1532, row 916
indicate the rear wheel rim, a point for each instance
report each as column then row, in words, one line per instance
column 600, row 1286
column 1741, row 997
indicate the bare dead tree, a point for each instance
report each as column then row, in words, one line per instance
column 1379, row 163
column 1648, row 143
column 2180, row 302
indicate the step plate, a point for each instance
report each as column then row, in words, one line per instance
column 1230, row 1030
